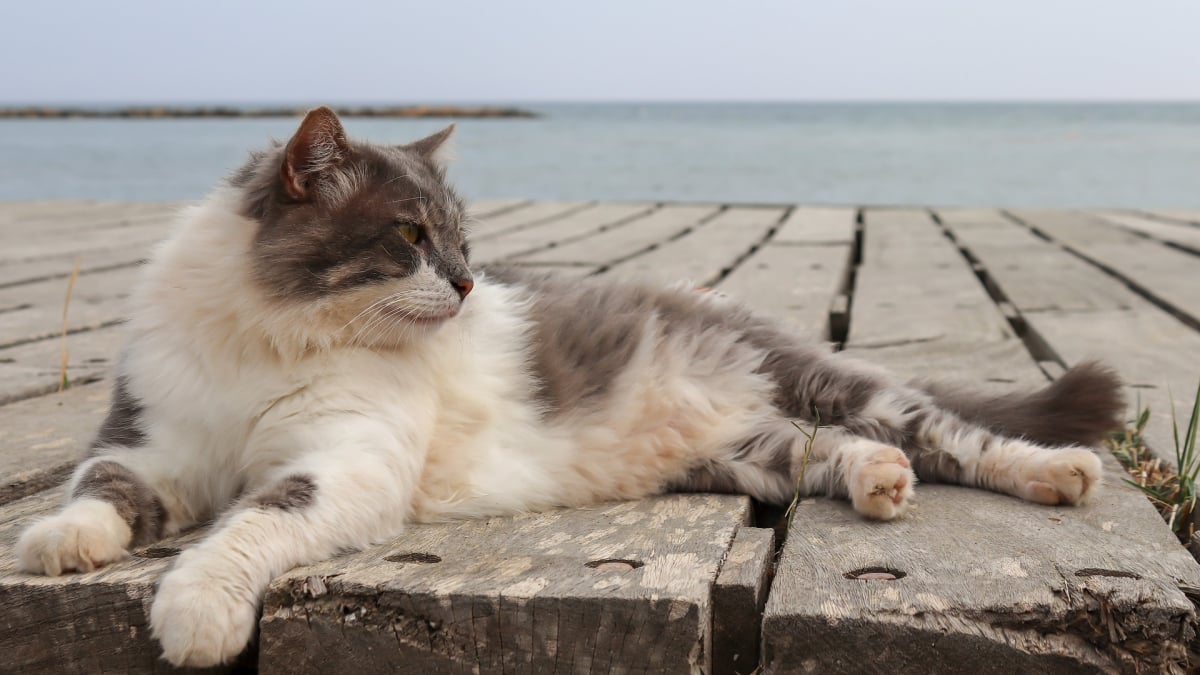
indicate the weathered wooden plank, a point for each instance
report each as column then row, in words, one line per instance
column 97, row 300
column 45, row 437
column 485, row 208
column 793, row 284
column 139, row 230
column 34, row 252
column 11, row 211
column 1162, row 272
column 132, row 241
column 984, row 582
column 571, row 270
column 104, row 215
column 1082, row 313
column 670, row 221
column 80, row 623
column 576, row 225
column 739, row 596
column 528, row 215
column 53, row 292
column 709, row 250
column 799, row 273
column 617, row 587
column 61, row 267
column 817, row 225
column 1183, row 236
column 1039, row 276
column 919, row 307
column 989, row 585
column 1185, row 216
column 59, row 213
column 35, row 368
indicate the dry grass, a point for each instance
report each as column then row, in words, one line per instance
column 1170, row 487
column 63, row 382
column 810, row 438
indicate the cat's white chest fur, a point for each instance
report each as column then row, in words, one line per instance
column 458, row 408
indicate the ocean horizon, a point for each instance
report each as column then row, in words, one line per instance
column 1011, row 154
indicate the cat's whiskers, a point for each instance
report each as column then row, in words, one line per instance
column 376, row 311
column 366, row 313
column 385, row 312
column 363, row 313
column 379, row 317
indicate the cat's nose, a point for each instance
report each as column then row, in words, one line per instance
column 463, row 286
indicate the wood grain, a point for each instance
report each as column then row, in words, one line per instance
column 80, row 623
column 1165, row 273
column 738, row 598
column 579, row 225
column 991, row 583
column 45, row 437
column 794, row 284
column 514, row 219
column 1182, row 235
column 817, row 225
column 645, row 233
column 708, row 251
column 984, row 582
column 615, row 588
column 1083, row 313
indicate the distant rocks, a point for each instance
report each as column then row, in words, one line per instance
column 156, row 112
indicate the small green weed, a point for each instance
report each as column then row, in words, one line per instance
column 1172, row 489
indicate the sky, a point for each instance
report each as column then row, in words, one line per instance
column 149, row 51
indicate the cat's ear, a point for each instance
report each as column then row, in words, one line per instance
column 437, row 147
column 319, row 145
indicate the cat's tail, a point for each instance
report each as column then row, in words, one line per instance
column 1078, row 408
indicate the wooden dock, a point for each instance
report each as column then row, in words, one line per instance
column 680, row 583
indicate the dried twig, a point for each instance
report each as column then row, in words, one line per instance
column 63, row 383
column 808, row 446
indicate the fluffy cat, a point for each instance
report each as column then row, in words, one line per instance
column 313, row 363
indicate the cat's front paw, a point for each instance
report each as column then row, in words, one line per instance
column 882, row 486
column 1068, row 476
column 88, row 534
column 199, row 620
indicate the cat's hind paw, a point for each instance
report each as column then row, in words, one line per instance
column 882, row 487
column 88, row 534
column 1068, row 476
column 199, row 620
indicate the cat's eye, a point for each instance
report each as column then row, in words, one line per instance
column 410, row 232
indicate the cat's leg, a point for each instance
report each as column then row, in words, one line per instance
column 348, row 491
column 781, row 458
column 945, row 448
column 876, row 477
column 111, row 508
column 868, row 403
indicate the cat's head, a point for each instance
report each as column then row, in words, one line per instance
column 368, row 234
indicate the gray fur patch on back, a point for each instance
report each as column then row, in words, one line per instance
column 135, row 502
column 122, row 427
column 293, row 492
column 586, row 331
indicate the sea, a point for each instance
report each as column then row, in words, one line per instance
column 1008, row 155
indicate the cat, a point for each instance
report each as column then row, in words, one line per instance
column 313, row 362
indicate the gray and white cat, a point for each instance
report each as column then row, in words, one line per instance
column 313, row 363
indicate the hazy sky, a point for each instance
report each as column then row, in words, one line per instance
column 514, row 50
